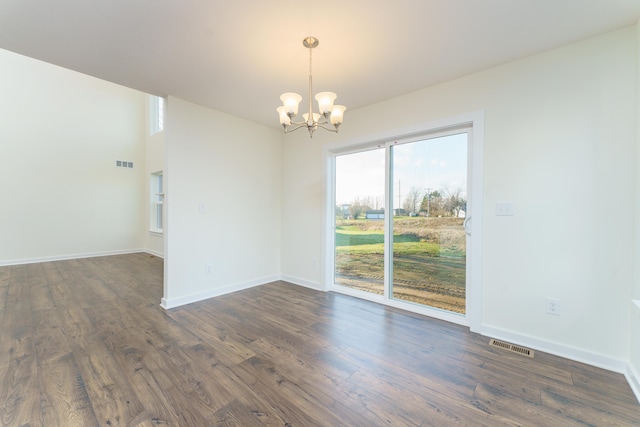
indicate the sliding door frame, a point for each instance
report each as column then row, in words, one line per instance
column 473, row 124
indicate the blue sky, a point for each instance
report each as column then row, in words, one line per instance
column 436, row 163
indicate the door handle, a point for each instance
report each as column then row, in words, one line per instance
column 465, row 224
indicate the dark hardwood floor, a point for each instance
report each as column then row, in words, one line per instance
column 84, row 343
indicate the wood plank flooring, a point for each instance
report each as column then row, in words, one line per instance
column 85, row 343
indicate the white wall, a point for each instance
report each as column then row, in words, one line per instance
column 302, row 207
column 633, row 373
column 61, row 133
column 154, row 161
column 232, row 168
column 559, row 143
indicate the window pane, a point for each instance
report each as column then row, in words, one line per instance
column 156, row 201
column 159, row 216
column 160, row 114
column 156, row 114
column 359, row 235
column 429, row 241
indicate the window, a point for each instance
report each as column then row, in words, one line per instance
column 156, row 114
column 157, row 201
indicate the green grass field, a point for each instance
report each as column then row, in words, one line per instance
column 428, row 259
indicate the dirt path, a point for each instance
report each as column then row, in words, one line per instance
column 450, row 298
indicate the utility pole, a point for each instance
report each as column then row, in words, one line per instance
column 429, row 201
column 399, row 204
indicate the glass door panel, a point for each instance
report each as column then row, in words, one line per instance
column 359, row 221
column 429, row 207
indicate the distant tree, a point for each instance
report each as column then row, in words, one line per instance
column 378, row 203
column 432, row 204
column 454, row 201
column 342, row 211
column 412, row 200
column 358, row 206
column 368, row 202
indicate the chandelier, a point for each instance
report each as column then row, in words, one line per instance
column 329, row 114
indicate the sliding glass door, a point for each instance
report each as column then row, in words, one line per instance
column 400, row 214
column 359, row 220
column 429, row 208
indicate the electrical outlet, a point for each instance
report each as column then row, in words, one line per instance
column 553, row 306
column 208, row 269
column 314, row 262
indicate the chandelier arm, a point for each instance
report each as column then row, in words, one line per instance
column 324, row 119
column 295, row 126
column 326, row 128
column 298, row 124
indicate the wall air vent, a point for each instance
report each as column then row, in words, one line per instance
column 124, row 164
column 511, row 347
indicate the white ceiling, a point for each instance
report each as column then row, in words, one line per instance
column 238, row 56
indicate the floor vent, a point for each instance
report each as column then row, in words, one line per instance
column 511, row 347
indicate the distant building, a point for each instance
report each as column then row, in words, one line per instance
column 344, row 210
column 375, row 214
column 399, row 212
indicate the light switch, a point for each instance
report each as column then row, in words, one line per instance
column 201, row 208
column 504, row 208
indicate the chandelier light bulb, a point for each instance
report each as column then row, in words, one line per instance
column 325, row 101
column 316, row 118
column 291, row 102
column 284, row 117
column 337, row 114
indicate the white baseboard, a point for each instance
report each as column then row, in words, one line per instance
column 68, row 257
column 568, row 352
column 633, row 379
column 302, row 282
column 154, row 253
column 210, row 293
